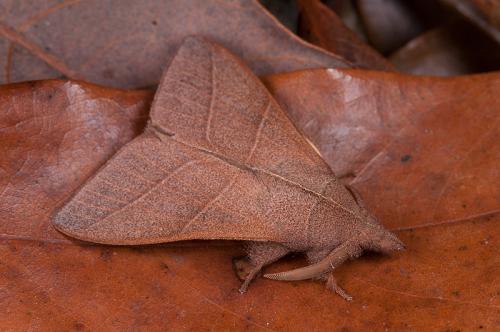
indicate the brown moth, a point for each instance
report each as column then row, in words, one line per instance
column 219, row 159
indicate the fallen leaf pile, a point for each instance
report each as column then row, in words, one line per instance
column 422, row 151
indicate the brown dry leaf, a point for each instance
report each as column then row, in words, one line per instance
column 321, row 26
column 127, row 43
column 53, row 135
column 347, row 11
column 389, row 24
column 484, row 13
column 454, row 49
column 448, row 278
column 423, row 150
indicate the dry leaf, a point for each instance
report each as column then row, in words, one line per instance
column 321, row 26
column 450, row 50
column 448, row 277
column 347, row 11
column 484, row 13
column 127, row 43
column 53, row 135
column 389, row 24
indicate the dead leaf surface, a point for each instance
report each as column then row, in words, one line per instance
column 427, row 146
column 484, row 13
column 321, row 26
column 389, row 24
column 347, row 11
column 53, row 135
column 127, row 43
column 450, row 50
column 448, row 277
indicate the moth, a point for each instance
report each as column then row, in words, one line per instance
column 219, row 159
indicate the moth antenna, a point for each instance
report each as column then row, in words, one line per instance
column 339, row 255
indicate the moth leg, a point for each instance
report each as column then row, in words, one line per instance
column 262, row 254
column 331, row 284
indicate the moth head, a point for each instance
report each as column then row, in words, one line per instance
column 383, row 241
column 376, row 237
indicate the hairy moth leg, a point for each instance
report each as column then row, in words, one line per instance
column 331, row 284
column 262, row 254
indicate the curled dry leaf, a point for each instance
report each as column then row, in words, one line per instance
column 321, row 26
column 348, row 13
column 127, row 43
column 454, row 49
column 389, row 24
column 418, row 147
column 484, row 13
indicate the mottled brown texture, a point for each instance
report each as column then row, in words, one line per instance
column 53, row 135
column 484, row 13
column 389, row 24
column 321, row 26
column 127, row 43
column 220, row 160
column 447, row 278
column 450, row 50
column 392, row 129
